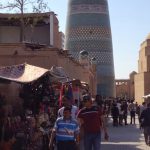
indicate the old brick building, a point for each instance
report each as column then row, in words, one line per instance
column 41, row 28
column 125, row 87
column 41, row 47
column 142, row 79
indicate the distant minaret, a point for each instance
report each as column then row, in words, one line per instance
column 88, row 28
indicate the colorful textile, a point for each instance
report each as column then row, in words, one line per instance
column 67, row 91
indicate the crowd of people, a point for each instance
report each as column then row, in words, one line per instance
column 76, row 126
column 121, row 109
column 119, row 112
column 79, row 128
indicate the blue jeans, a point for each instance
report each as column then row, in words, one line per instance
column 92, row 140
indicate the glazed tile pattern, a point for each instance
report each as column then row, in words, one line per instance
column 88, row 28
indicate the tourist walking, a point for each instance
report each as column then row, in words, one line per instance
column 140, row 109
column 115, row 114
column 124, row 108
column 66, row 102
column 132, row 109
column 99, row 100
column 66, row 131
column 119, row 104
column 92, row 120
column 145, row 123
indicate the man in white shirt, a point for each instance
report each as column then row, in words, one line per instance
column 132, row 109
column 68, row 103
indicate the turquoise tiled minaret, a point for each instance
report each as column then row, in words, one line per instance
column 88, row 28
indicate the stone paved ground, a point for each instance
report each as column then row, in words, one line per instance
column 128, row 137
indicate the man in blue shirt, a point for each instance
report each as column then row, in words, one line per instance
column 66, row 131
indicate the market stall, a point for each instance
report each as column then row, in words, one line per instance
column 38, row 91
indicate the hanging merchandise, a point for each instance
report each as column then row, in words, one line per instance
column 69, row 92
column 60, row 97
column 76, row 95
column 66, row 89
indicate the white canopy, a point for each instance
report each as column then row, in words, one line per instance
column 146, row 96
column 23, row 73
column 59, row 74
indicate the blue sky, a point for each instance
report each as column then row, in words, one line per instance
column 130, row 24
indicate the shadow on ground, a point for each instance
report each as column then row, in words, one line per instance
column 123, row 147
column 128, row 133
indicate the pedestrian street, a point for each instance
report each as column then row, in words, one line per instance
column 128, row 137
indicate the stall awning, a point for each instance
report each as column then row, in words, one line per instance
column 146, row 96
column 59, row 73
column 22, row 73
